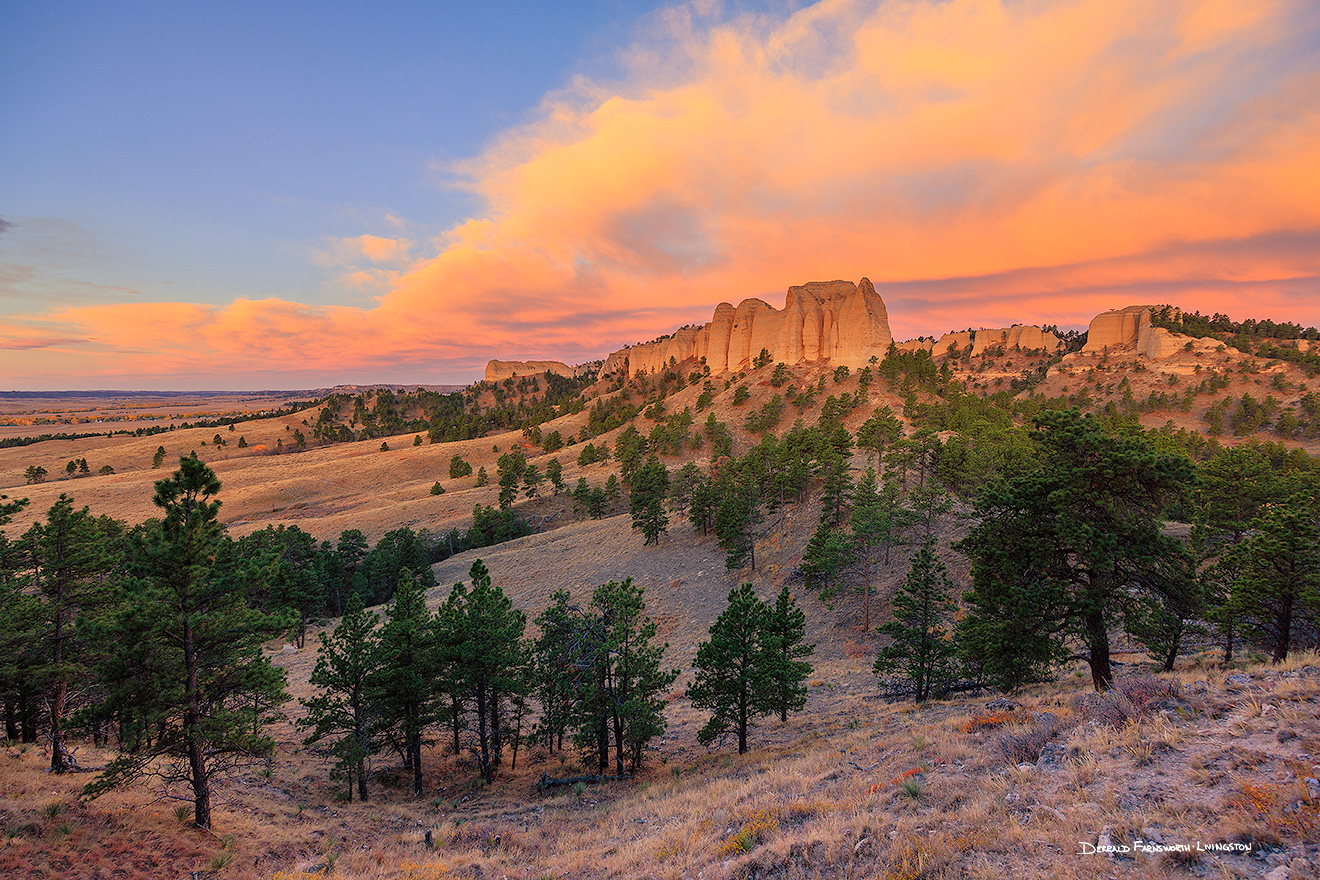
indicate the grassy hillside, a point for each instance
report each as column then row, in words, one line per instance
column 851, row 786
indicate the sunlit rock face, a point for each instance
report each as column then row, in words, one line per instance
column 498, row 371
column 1131, row 326
column 835, row 321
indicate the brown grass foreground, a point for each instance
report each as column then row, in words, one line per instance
column 851, row 788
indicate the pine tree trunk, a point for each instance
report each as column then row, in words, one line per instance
column 11, row 719
column 1097, row 636
column 1283, row 628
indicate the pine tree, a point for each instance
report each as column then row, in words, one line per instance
column 646, row 500
column 183, row 659
column 873, row 524
column 737, row 513
column 71, row 553
column 634, row 679
column 20, row 614
column 400, row 688
column 346, row 663
column 1061, row 549
column 559, row 667
column 782, row 652
column 495, row 664
column 554, row 472
column 730, row 680
column 1278, row 585
column 827, row 555
column 921, row 652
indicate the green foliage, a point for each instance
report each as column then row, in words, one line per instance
column 339, row 716
column 1277, row 588
column 491, row 660
column 1061, row 549
column 437, row 489
column 921, row 652
column 399, row 687
column 646, row 499
column 740, row 395
column 34, row 474
column 751, row 665
column 779, row 376
column 458, row 468
column 532, row 480
column 629, row 449
column 183, row 662
column 627, row 684
column 510, row 468
column 554, row 472
column 482, row 479
column 781, row 654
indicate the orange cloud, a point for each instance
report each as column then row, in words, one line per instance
column 982, row 161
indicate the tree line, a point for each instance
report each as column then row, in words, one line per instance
column 150, row 639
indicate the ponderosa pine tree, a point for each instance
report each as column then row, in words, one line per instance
column 872, row 527
column 731, row 681
column 183, row 656
column 633, row 678
column 495, row 663
column 346, row 663
column 1278, row 583
column 70, row 556
column 400, row 688
column 921, row 652
column 1061, row 549
column 560, row 665
column 782, row 656
column 20, row 613
column 646, row 499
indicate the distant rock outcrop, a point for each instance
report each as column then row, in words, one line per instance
column 1026, row 337
column 498, row 371
column 1131, row 326
column 836, row 321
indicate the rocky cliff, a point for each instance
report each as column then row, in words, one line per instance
column 835, row 321
column 1026, row 337
column 498, row 371
column 1131, row 326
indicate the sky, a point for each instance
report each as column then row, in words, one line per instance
column 289, row 195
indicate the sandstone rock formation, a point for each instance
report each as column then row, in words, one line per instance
column 1023, row 336
column 1131, row 326
column 498, row 371
column 835, row 321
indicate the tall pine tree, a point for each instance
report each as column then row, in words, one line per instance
column 731, row 681
column 183, row 659
column 346, row 662
column 922, row 654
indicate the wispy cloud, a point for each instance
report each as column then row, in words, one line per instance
column 983, row 161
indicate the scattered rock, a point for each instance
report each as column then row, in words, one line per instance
column 1312, row 788
column 289, row 649
column 1238, row 680
column 1052, row 756
column 1003, row 704
column 1283, row 872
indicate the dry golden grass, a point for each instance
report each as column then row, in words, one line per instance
column 850, row 787
column 906, row 793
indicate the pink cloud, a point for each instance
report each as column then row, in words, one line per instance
column 982, row 161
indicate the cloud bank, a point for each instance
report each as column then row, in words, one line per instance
column 982, row 161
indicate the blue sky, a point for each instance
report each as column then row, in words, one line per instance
column 211, row 147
